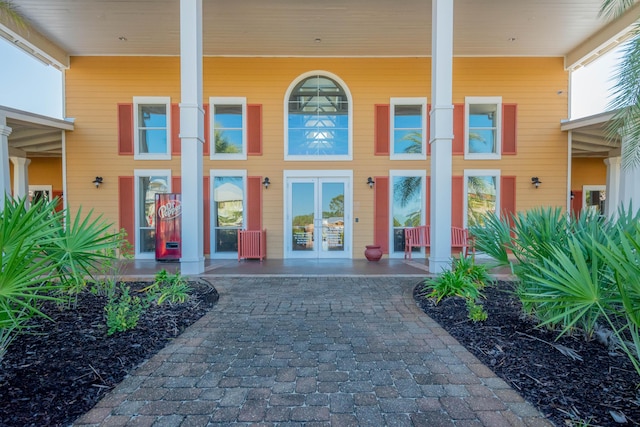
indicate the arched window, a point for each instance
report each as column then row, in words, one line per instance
column 318, row 119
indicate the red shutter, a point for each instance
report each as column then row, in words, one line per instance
column 176, row 184
column 509, row 127
column 427, row 205
column 254, row 203
column 206, row 224
column 457, row 201
column 207, row 130
column 126, row 199
column 59, row 195
column 381, row 133
column 125, row 129
column 381, row 213
column 175, row 130
column 457, row 146
column 576, row 203
column 507, row 196
column 254, row 129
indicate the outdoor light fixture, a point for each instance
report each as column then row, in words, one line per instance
column 572, row 195
column 535, row 181
column 97, row 181
column 370, row 181
column 266, row 182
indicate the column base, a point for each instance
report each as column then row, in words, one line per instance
column 191, row 267
column 439, row 265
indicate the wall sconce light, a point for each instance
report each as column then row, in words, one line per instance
column 98, row 181
column 535, row 181
column 572, row 195
column 266, row 182
column 370, row 181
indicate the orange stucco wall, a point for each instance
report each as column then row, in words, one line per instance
column 95, row 85
column 587, row 171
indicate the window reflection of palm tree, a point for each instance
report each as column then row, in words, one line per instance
column 406, row 188
column 222, row 143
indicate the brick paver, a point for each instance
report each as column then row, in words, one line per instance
column 314, row 351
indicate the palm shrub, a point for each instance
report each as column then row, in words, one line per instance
column 39, row 259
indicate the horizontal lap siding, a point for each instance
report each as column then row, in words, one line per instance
column 95, row 85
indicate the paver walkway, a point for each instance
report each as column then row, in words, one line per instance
column 314, row 351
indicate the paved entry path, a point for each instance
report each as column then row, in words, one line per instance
column 352, row 351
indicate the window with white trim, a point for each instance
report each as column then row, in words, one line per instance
column 318, row 119
column 228, row 128
column 147, row 184
column 228, row 213
column 483, row 128
column 407, row 206
column 408, row 128
column 152, row 127
column 482, row 190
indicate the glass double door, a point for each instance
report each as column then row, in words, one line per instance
column 317, row 216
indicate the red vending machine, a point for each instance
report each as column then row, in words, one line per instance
column 168, row 227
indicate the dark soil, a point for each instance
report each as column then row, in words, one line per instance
column 596, row 390
column 61, row 369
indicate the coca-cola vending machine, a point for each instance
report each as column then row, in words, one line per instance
column 168, row 227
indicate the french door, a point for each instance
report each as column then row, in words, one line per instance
column 318, row 217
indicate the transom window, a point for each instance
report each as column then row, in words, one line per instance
column 483, row 127
column 152, row 134
column 318, row 119
column 228, row 128
column 409, row 128
column 482, row 189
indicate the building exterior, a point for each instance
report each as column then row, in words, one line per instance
column 327, row 153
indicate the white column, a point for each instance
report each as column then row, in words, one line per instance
column 629, row 188
column 441, row 134
column 192, row 136
column 21, row 177
column 5, row 181
column 612, row 203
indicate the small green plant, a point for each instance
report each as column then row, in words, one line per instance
column 168, row 287
column 466, row 279
column 476, row 312
column 123, row 312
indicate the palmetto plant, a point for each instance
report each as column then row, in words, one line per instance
column 42, row 259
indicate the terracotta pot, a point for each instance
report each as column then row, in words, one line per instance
column 373, row 252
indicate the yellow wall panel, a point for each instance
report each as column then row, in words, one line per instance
column 95, row 85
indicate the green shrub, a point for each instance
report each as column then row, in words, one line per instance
column 123, row 311
column 168, row 287
column 466, row 279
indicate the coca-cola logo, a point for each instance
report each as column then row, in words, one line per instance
column 170, row 210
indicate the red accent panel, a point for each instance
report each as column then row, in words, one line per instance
column 125, row 129
column 509, row 128
column 207, row 216
column 457, row 146
column 254, row 203
column 207, row 130
column 176, row 145
column 428, row 129
column 507, row 196
column 576, row 203
column 381, row 132
column 427, row 207
column 176, row 184
column 126, row 199
column 381, row 213
column 457, row 201
column 254, row 129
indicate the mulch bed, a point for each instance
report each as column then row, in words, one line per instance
column 595, row 390
column 62, row 368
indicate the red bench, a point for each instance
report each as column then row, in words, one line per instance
column 416, row 237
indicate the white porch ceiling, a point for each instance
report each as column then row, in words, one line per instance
column 33, row 135
column 562, row 28
column 589, row 136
